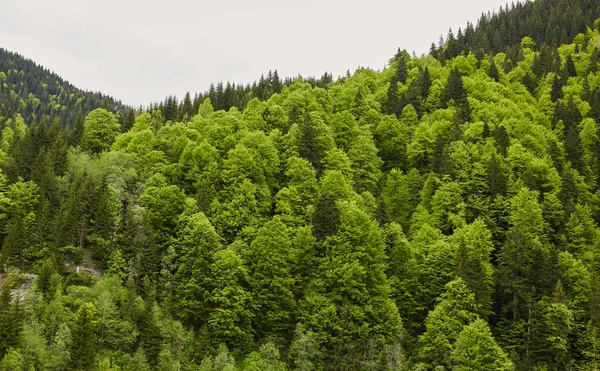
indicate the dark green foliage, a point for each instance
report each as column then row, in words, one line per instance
column 493, row 71
column 129, row 121
column 545, row 21
column 33, row 92
column 455, row 91
column 395, row 103
column 11, row 319
column 307, row 143
column 557, row 86
column 83, row 338
column 326, row 218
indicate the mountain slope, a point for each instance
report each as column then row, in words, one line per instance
column 439, row 214
column 35, row 92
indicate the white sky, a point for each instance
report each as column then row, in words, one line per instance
column 141, row 51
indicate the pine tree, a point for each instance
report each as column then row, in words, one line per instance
column 394, row 102
column 455, row 91
column 493, row 71
column 556, row 93
column 10, row 320
column 129, row 121
column 326, row 217
column 186, row 110
column 78, row 129
column 83, row 343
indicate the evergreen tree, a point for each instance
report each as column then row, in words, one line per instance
column 493, row 71
column 129, row 121
column 83, row 343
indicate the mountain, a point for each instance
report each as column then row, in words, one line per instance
column 37, row 93
column 546, row 22
column 442, row 213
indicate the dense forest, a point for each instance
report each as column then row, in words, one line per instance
column 440, row 214
column 38, row 95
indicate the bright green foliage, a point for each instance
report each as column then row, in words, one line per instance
column 267, row 359
column 297, row 200
column 12, row 361
column 196, row 243
column 366, row 164
column 229, row 320
column 456, row 309
column 270, row 258
column 164, row 204
column 101, row 130
column 370, row 222
column 473, row 251
column 476, row 350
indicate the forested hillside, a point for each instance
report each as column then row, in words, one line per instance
column 38, row 95
column 439, row 214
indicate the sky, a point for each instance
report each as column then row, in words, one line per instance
column 141, row 51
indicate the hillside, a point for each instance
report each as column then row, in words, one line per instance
column 39, row 94
column 440, row 214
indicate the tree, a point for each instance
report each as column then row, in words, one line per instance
column 78, row 130
column 347, row 302
column 229, row 320
column 10, row 320
column 101, row 130
column 197, row 241
column 455, row 91
column 129, row 121
column 523, row 256
column 366, row 164
column 455, row 310
column 269, row 259
column 558, row 322
column 206, row 109
column 474, row 248
column 476, row 350
column 326, row 217
column 83, row 345
column 493, row 71
column 395, row 102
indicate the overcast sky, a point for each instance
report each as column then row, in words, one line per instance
column 140, row 51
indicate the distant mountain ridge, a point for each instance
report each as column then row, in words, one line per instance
column 37, row 93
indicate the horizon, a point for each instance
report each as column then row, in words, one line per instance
column 152, row 58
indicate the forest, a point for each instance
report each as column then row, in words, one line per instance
column 440, row 214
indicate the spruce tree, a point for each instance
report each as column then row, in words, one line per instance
column 83, row 338
column 493, row 71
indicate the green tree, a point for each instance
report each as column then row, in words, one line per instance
column 269, row 259
column 455, row 310
column 83, row 345
column 229, row 320
column 366, row 164
column 475, row 349
column 197, row 241
column 101, row 130
column 10, row 320
column 474, row 248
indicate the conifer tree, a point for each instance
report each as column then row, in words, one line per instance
column 83, row 343
column 493, row 71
